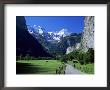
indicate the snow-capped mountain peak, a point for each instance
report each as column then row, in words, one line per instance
column 39, row 26
column 56, row 38
column 49, row 36
column 50, row 33
column 34, row 26
column 58, row 34
column 38, row 29
column 63, row 32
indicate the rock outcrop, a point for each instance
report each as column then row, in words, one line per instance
column 72, row 48
column 87, row 40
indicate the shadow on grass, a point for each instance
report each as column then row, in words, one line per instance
column 26, row 68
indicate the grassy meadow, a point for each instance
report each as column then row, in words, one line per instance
column 38, row 66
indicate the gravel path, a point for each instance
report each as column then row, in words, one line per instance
column 71, row 70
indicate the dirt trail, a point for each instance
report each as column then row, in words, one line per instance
column 71, row 70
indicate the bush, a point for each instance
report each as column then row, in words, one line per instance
column 89, row 56
column 73, row 55
column 83, row 57
column 63, row 58
column 61, row 68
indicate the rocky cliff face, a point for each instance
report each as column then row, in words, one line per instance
column 87, row 40
column 72, row 48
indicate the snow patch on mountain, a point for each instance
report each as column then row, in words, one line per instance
column 56, row 38
column 50, row 33
column 63, row 32
column 38, row 29
column 50, row 36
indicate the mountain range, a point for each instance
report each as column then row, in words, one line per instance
column 57, row 42
column 37, row 31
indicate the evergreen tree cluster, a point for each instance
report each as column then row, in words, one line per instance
column 82, row 57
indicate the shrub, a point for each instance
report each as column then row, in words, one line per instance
column 86, row 57
column 63, row 58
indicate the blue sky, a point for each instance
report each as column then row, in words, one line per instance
column 55, row 23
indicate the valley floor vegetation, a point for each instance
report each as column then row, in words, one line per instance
column 83, row 61
column 40, row 67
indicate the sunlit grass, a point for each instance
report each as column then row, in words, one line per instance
column 38, row 66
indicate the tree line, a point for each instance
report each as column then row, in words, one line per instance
column 81, row 56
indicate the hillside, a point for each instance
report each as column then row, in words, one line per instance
column 26, row 43
column 54, row 43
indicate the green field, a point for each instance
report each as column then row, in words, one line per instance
column 37, row 66
column 87, row 68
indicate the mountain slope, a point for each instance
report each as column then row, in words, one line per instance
column 26, row 43
column 37, row 31
column 70, row 41
column 55, row 43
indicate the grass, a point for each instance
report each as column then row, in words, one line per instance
column 37, row 66
column 88, row 68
